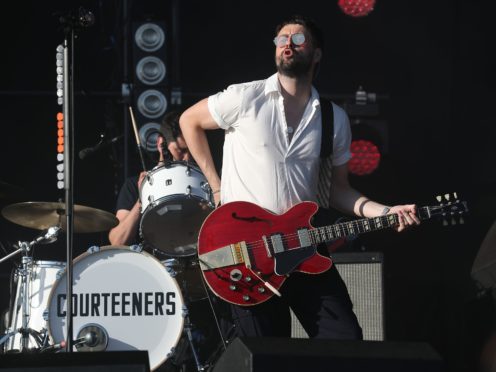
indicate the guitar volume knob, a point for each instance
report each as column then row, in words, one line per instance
column 232, row 287
column 261, row 290
column 246, row 298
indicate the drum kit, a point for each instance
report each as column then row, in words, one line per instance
column 124, row 298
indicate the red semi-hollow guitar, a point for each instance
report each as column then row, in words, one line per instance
column 246, row 252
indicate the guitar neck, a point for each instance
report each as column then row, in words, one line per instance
column 326, row 234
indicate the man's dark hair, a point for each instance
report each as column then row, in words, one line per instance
column 170, row 126
column 310, row 26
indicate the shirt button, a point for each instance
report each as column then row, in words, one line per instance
column 290, row 130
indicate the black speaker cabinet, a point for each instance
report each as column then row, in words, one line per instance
column 363, row 274
column 296, row 355
column 109, row 361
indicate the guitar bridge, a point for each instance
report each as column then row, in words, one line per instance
column 240, row 254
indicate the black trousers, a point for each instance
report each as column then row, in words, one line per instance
column 320, row 302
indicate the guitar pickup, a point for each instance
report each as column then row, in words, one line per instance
column 277, row 243
column 304, row 238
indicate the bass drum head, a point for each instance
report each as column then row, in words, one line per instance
column 127, row 293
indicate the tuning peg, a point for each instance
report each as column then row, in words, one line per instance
column 453, row 221
column 439, row 198
column 445, row 222
column 455, row 195
column 447, row 196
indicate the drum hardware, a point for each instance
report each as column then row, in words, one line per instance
column 187, row 273
column 49, row 237
column 187, row 331
column 176, row 267
column 25, row 273
column 205, row 186
column 92, row 337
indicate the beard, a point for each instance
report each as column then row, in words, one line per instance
column 298, row 66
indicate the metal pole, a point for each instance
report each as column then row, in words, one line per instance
column 68, row 170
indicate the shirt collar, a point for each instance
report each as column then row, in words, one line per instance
column 272, row 85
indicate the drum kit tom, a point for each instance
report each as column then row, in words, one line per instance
column 123, row 297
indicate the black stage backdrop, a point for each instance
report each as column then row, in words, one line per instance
column 431, row 61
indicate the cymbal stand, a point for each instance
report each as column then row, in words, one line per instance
column 22, row 294
column 188, row 326
column 187, row 330
column 48, row 237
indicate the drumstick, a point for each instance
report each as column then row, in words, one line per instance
column 137, row 137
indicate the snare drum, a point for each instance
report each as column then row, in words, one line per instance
column 41, row 277
column 175, row 200
column 127, row 297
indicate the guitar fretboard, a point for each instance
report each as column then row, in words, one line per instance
column 340, row 230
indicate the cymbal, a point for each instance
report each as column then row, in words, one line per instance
column 42, row 215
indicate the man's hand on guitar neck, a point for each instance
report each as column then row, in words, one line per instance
column 407, row 216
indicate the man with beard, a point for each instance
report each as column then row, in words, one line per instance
column 271, row 158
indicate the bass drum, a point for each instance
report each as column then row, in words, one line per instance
column 124, row 299
column 40, row 277
column 175, row 200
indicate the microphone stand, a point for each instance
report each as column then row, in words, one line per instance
column 68, row 111
column 71, row 22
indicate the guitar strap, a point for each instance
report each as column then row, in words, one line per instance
column 326, row 149
column 327, row 112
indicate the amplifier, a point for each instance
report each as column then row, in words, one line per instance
column 363, row 274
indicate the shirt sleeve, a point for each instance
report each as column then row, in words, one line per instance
column 342, row 137
column 128, row 195
column 224, row 106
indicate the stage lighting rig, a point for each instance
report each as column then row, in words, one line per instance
column 150, row 82
column 369, row 135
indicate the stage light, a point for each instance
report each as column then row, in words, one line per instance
column 149, row 37
column 369, row 144
column 150, row 70
column 356, row 8
column 60, row 150
column 152, row 104
column 150, row 88
column 369, row 134
column 365, row 157
column 59, row 62
column 148, row 134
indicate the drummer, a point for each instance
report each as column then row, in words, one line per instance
column 171, row 146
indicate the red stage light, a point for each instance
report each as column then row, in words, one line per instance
column 60, row 132
column 356, row 8
column 365, row 157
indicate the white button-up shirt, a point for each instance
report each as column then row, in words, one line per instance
column 260, row 162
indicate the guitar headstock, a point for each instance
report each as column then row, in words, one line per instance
column 450, row 209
